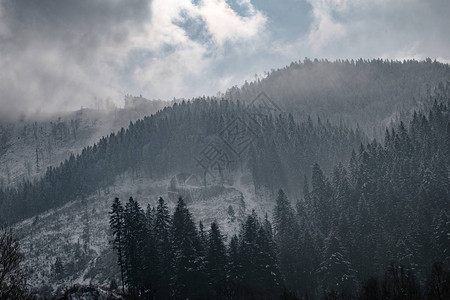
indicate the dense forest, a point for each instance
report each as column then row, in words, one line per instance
column 371, row 93
column 354, row 166
column 390, row 203
column 175, row 139
column 323, row 111
column 377, row 228
column 28, row 146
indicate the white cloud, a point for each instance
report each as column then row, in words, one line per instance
column 165, row 77
column 169, row 73
column 66, row 54
column 62, row 54
column 408, row 52
column 226, row 25
column 392, row 29
column 324, row 30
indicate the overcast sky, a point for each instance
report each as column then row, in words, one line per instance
column 62, row 54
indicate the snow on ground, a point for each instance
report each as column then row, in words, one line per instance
column 32, row 146
column 71, row 245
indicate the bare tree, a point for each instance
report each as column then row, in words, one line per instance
column 12, row 277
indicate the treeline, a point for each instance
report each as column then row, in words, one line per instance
column 170, row 141
column 166, row 257
column 286, row 151
column 391, row 202
column 365, row 92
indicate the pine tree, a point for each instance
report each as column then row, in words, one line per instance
column 116, row 223
column 269, row 280
column 248, row 252
column 203, row 236
column 321, row 199
column 257, row 254
column 188, row 280
column 216, row 261
column 441, row 237
column 364, row 240
column 286, row 236
column 149, row 256
column 308, row 254
column 134, row 236
column 163, row 244
column 336, row 271
column 234, row 268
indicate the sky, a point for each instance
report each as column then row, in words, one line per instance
column 61, row 55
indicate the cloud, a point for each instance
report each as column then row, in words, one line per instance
column 225, row 24
column 324, row 29
column 393, row 29
column 188, row 42
column 61, row 54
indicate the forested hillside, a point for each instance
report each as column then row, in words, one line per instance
column 300, row 200
column 370, row 93
column 277, row 150
column 377, row 228
column 390, row 203
column 29, row 146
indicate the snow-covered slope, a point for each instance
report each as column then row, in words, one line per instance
column 28, row 147
column 70, row 245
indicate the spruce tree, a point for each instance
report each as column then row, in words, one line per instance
column 336, row 271
column 189, row 278
column 234, row 268
column 116, row 223
column 134, row 233
column 268, row 280
column 163, row 244
column 149, row 256
column 248, row 252
column 216, row 260
column 321, row 200
column 286, row 236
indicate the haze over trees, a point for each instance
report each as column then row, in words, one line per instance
column 369, row 93
column 344, row 232
column 28, row 146
column 169, row 142
column 350, row 159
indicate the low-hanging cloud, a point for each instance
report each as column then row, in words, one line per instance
column 392, row 29
column 60, row 54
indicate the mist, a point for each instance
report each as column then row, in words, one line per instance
column 62, row 55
